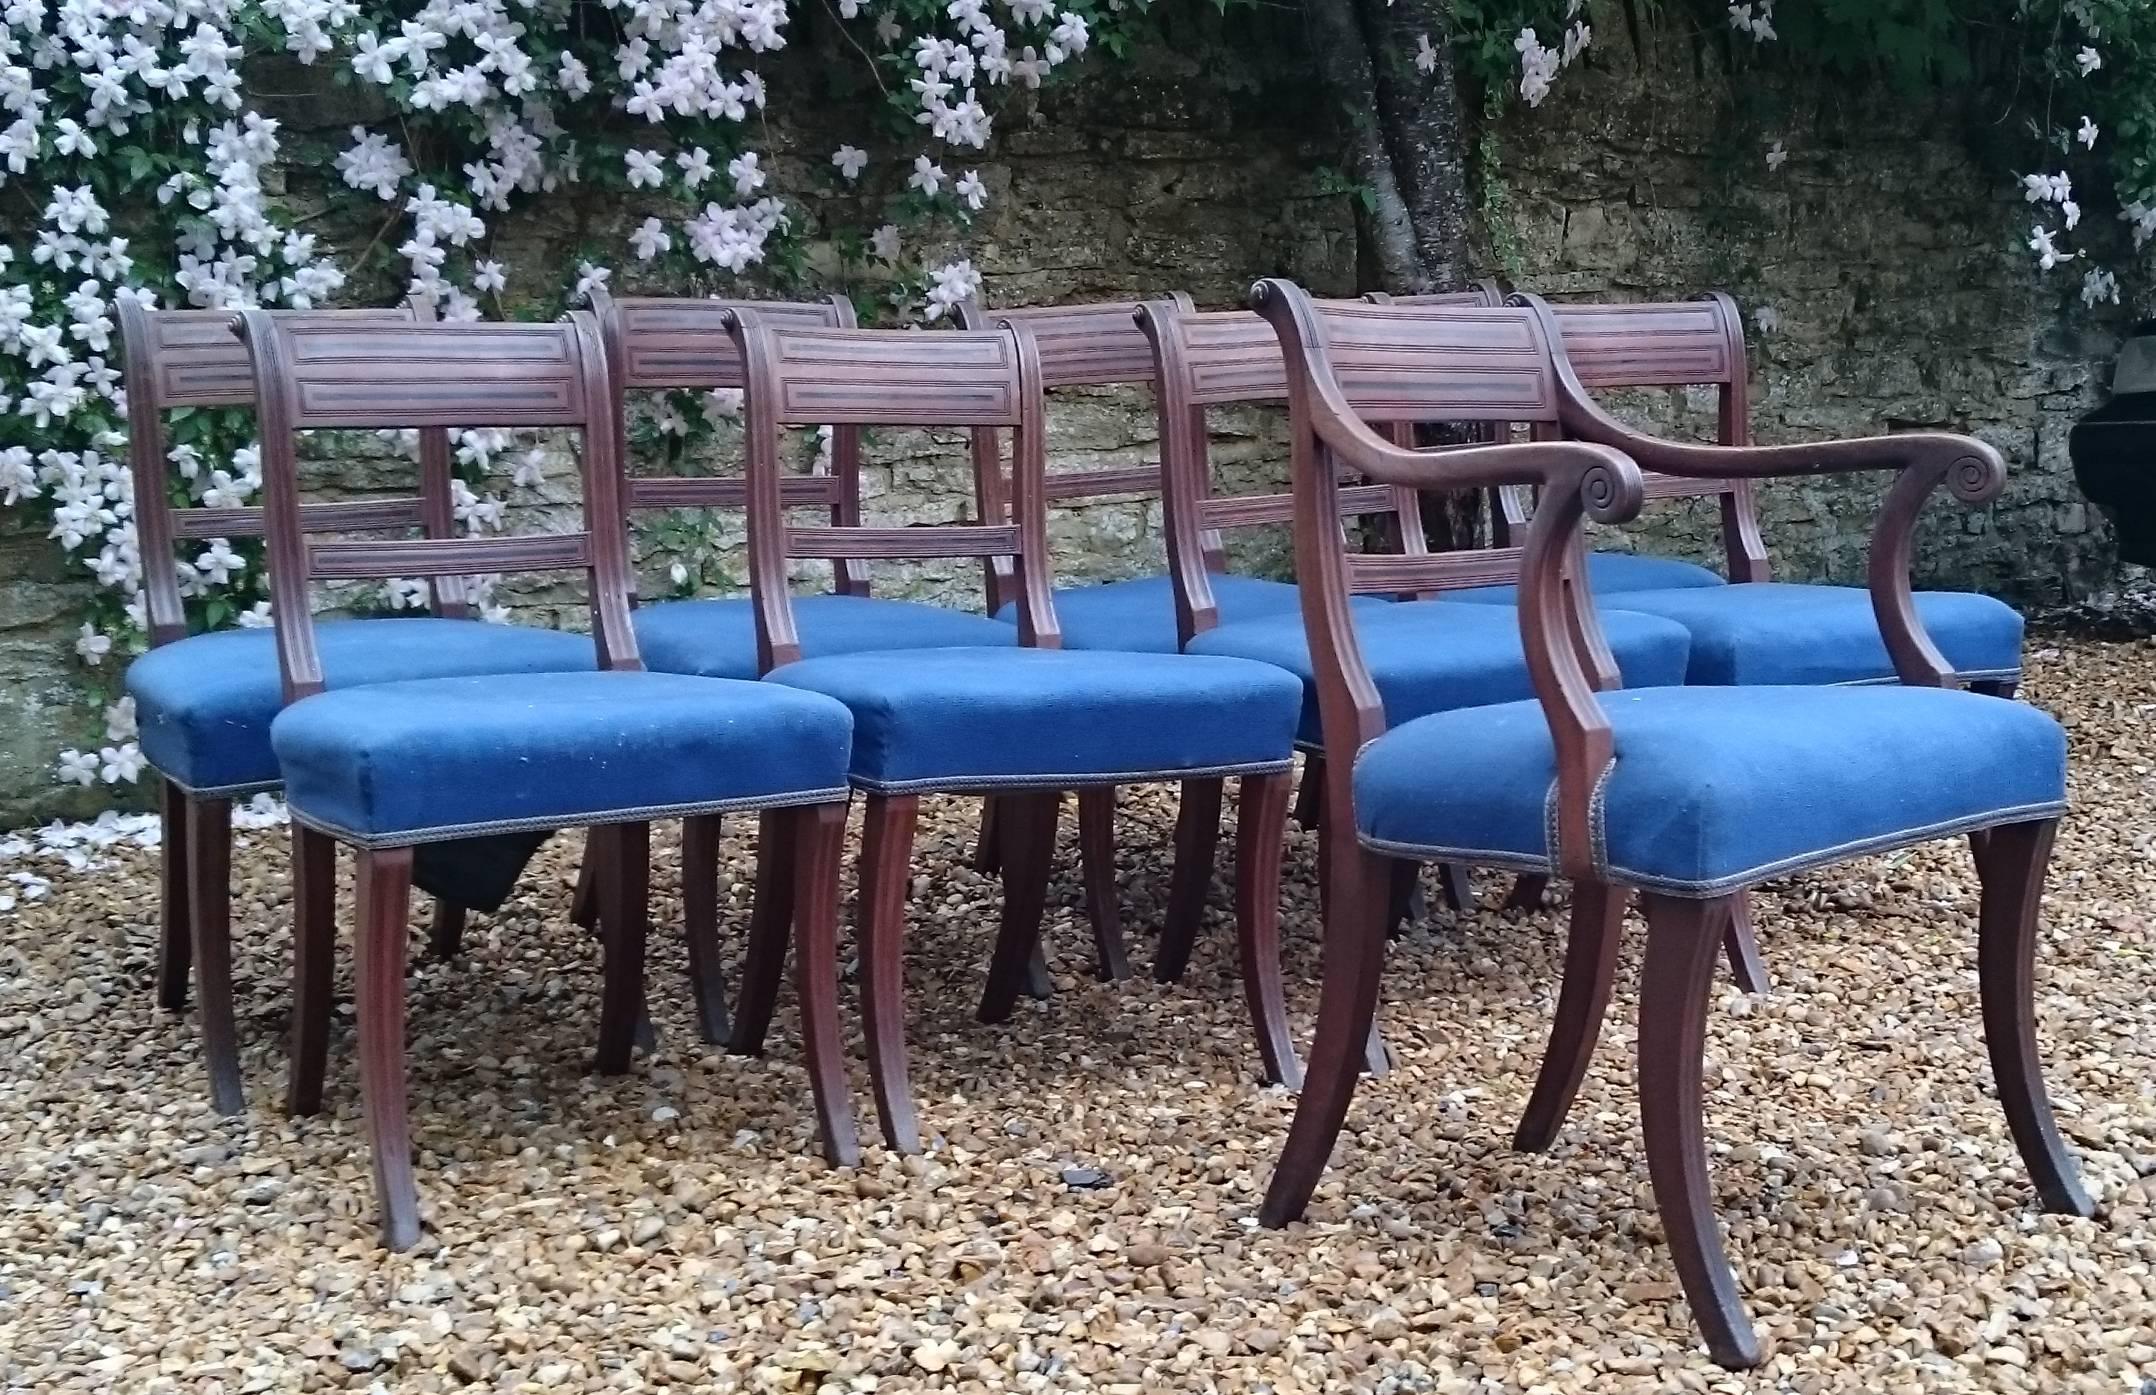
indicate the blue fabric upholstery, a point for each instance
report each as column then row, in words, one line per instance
column 963, row 719
column 444, row 758
column 1433, row 656
column 1716, row 788
column 1609, row 573
column 204, row 704
column 1138, row 615
column 717, row 639
column 1771, row 632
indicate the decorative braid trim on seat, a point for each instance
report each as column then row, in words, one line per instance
column 1966, row 675
column 967, row 784
column 408, row 838
column 1721, row 886
column 214, row 791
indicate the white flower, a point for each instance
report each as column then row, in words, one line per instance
column 747, row 176
column 2087, row 134
column 695, row 166
column 121, row 764
column 588, row 276
column 971, row 191
column 954, row 285
column 645, row 170
column 255, row 617
column 219, row 563
column 120, row 720
column 488, row 276
column 849, row 161
column 1538, row 67
column 1767, row 318
column 650, row 239
column 1756, row 20
column 1576, row 40
column 927, row 176
column 2089, row 60
column 883, row 243
column 2099, row 286
column 92, row 645
column 1776, row 156
column 2047, row 254
column 76, row 768
column 1425, row 55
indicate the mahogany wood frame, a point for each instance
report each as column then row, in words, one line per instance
column 313, row 374
column 177, row 359
column 979, row 381
column 1335, row 366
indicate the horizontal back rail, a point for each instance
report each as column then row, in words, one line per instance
column 924, row 540
column 677, row 342
column 353, row 516
column 461, row 375
column 366, row 558
column 727, row 492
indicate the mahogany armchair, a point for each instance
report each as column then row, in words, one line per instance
column 204, row 702
column 1687, row 794
column 399, row 765
column 1024, row 721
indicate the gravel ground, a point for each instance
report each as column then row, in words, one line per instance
column 1085, row 1217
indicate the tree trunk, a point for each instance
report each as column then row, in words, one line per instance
column 1420, row 118
column 1343, row 60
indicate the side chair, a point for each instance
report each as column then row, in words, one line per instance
column 398, row 765
column 203, row 702
column 1687, row 795
column 662, row 343
column 1025, row 721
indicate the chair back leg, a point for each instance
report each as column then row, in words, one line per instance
column 880, row 905
column 819, row 836
column 445, row 940
column 385, row 901
column 625, row 918
column 1028, row 832
column 1096, row 861
column 1583, row 998
column 771, row 911
column 175, row 945
column 2011, row 865
column 1197, row 840
column 1740, row 945
column 1347, row 1024
column 1683, row 940
column 1261, row 826
column 209, row 914
column 314, row 965
column 700, row 923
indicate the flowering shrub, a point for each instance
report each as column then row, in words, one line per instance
column 126, row 129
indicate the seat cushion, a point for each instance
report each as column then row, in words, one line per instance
column 446, row 758
column 1716, row 788
column 717, row 639
column 1138, row 614
column 1780, row 632
column 963, row 719
column 204, row 704
column 1433, row 656
column 1609, row 573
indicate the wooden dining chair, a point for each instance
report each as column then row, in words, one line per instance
column 398, row 765
column 1686, row 794
column 204, row 701
column 1025, row 721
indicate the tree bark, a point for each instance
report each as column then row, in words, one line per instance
column 1343, row 59
column 1424, row 137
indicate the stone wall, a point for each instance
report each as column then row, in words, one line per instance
column 1882, row 275
column 1881, row 262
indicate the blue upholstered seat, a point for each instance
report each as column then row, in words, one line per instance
column 1610, row 573
column 717, row 639
column 1784, row 632
column 1432, row 656
column 1716, row 788
column 970, row 719
column 443, row 758
column 1138, row 614
column 204, row 704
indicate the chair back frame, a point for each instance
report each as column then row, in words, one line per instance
column 1695, row 343
column 189, row 358
column 320, row 372
column 850, row 378
column 1091, row 345
column 656, row 343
